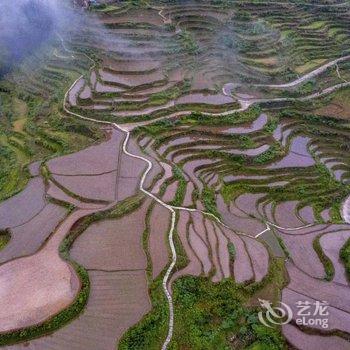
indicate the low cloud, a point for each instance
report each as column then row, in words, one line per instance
column 26, row 24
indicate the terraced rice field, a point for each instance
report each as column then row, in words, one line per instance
column 195, row 162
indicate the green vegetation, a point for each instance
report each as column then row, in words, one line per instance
column 274, row 152
column 208, row 198
column 157, row 128
column 209, row 315
column 148, row 334
column 212, row 316
column 271, row 125
column 32, row 123
column 232, row 251
column 345, row 257
column 181, row 188
column 327, row 263
column 5, row 237
column 188, row 43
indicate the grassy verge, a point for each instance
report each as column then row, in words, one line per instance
column 5, row 237
column 208, row 199
column 214, row 316
column 345, row 257
column 181, row 188
column 327, row 263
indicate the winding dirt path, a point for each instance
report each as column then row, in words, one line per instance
column 245, row 105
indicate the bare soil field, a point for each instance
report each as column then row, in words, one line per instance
column 55, row 192
column 117, row 301
column 50, row 285
column 157, row 244
column 112, row 245
column 94, row 187
column 94, row 160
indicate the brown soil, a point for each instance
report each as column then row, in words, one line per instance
column 335, row 109
column 139, row 16
column 97, row 159
column 35, row 288
column 130, row 66
column 131, row 80
column 113, row 244
column 205, row 99
column 117, row 301
column 95, row 187
column 158, row 236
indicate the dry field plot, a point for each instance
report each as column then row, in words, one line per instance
column 118, row 300
column 251, row 190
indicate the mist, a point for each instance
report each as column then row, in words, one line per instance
column 25, row 25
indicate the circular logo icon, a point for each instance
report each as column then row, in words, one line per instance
column 277, row 315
